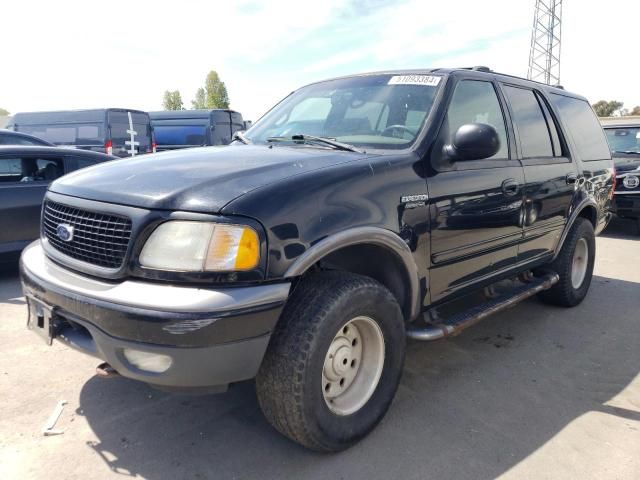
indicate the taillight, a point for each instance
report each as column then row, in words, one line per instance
column 108, row 147
column 153, row 147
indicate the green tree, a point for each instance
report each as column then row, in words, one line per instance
column 172, row 100
column 635, row 111
column 607, row 109
column 200, row 101
column 217, row 96
column 3, row 112
column 213, row 95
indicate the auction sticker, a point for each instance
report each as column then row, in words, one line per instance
column 430, row 80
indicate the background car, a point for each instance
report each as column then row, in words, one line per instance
column 194, row 128
column 7, row 137
column 25, row 174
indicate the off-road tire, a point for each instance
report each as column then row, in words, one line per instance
column 289, row 383
column 563, row 293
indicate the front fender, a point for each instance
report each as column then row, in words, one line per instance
column 363, row 235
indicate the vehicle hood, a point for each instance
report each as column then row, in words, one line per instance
column 197, row 179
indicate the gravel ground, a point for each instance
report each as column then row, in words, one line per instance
column 533, row 393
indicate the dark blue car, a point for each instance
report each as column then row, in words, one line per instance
column 7, row 137
column 25, row 175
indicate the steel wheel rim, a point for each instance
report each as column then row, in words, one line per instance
column 579, row 264
column 353, row 365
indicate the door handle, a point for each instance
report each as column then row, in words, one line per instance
column 510, row 187
column 571, row 178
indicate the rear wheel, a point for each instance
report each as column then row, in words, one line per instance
column 334, row 361
column 574, row 265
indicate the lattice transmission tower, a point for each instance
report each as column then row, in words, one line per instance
column 544, row 56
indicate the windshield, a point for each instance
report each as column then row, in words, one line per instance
column 375, row 111
column 624, row 140
column 180, row 134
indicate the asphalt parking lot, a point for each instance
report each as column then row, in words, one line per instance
column 535, row 392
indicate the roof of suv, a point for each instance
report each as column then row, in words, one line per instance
column 477, row 71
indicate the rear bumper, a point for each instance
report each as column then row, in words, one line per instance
column 213, row 337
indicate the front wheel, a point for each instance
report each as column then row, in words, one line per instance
column 574, row 265
column 334, row 361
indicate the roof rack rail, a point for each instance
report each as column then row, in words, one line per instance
column 478, row 68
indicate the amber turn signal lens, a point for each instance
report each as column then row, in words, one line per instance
column 233, row 248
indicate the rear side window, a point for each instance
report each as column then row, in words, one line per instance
column 533, row 129
column 552, row 125
column 30, row 169
column 583, row 127
column 68, row 134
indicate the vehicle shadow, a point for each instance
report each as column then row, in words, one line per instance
column 622, row 228
column 467, row 408
column 10, row 289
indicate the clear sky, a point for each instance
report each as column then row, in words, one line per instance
column 65, row 54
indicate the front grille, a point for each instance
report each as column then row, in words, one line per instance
column 99, row 239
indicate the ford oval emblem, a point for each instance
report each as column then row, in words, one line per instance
column 631, row 181
column 65, row 232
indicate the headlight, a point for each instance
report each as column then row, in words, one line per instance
column 201, row 246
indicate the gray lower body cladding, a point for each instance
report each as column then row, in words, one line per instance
column 213, row 337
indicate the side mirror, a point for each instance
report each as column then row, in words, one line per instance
column 473, row 141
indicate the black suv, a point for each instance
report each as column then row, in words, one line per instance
column 306, row 252
column 624, row 139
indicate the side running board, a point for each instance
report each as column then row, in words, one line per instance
column 457, row 323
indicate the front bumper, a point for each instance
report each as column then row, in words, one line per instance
column 213, row 336
column 627, row 204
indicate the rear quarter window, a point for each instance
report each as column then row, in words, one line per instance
column 583, row 127
column 533, row 129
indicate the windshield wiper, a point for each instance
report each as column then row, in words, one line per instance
column 312, row 138
column 240, row 136
column 628, row 152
